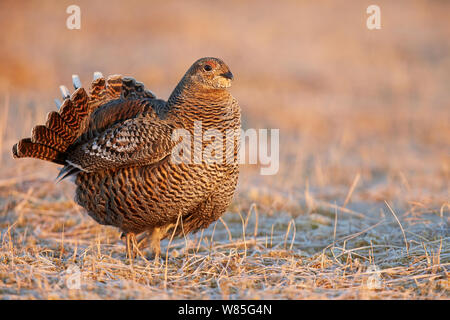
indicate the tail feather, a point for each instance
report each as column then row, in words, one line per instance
column 27, row 148
column 74, row 110
column 103, row 89
column 71, row 122
column 65, row 93
column 114, row 86
column 97, row 74
column 97, row 88
column 57, row 103
column 45, row 136
column 57, row 124
column 76, row 81
column 51, row 141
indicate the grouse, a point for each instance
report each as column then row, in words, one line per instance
column 142, row 164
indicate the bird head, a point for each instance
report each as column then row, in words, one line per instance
column 211, row 73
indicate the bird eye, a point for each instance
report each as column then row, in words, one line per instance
column 207, row 67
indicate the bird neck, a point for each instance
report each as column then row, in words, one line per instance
column 196, row 102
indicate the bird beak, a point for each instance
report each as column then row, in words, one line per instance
column 228, row 75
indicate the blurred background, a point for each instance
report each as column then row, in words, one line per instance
column 350, row 103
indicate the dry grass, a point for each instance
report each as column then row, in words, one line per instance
column 364, row 151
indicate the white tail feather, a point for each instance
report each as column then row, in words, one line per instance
column 76, row 81
column 97, row 74
column 64, row 92
column 58, row 103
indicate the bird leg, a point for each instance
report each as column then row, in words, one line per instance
column 142, row 241
column 128, row 244
column 135, row 243
column 155, row 242
column 156, row 235
column 131, row 245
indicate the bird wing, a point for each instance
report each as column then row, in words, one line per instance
column 136, row 141
column 116, row 111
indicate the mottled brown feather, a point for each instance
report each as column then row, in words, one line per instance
column 45, row 136
column 26, row 148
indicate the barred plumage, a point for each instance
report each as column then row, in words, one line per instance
column 118, row 142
